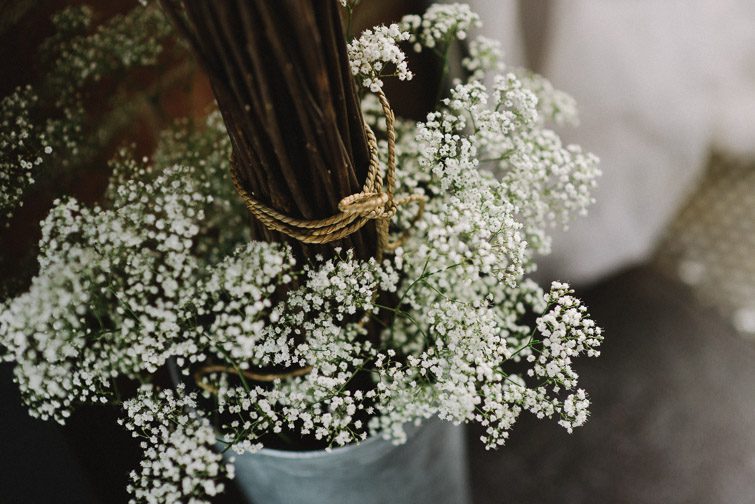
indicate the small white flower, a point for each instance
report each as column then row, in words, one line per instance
column 439, row 25
column 376, row 52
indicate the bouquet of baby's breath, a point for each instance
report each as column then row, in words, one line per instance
column 163, row 273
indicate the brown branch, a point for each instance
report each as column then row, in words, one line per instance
column 281, row 78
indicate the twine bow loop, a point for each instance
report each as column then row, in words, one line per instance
column 355, row 210
column 369, row 205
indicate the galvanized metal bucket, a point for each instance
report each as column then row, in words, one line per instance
column 430, row 468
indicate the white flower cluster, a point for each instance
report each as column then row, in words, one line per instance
column 22, row 149
column 105, row 301
column 320, row 323
column 439, row 25
column 44, row 332
column 79, row 53
column 567, row 332
column 337, row 349
column 553, row 104
column 461, row 375
column 539, row 182
column 233, row 302
column 465, row 260
column 461, row 351
column 468, row 219
column 485, row 56
column 180, row 461
column 375, row 52
column 75, row 56
column 207, row 148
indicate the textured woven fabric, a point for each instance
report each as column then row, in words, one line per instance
column 710, row 245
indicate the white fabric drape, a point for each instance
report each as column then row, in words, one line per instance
column 658, row 83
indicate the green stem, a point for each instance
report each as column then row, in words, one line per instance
column 240, row 373
column 348, row 24
column 443, row 74
column 407, row 316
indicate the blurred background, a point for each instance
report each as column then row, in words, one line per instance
column 665, row 260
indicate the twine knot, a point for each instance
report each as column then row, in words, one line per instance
column 375, row 205
column 355, row 210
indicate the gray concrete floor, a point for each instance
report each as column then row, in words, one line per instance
column 673, row 421
column 673, row 415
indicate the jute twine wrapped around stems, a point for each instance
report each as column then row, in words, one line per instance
column 374, row 202
column 355, row 210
